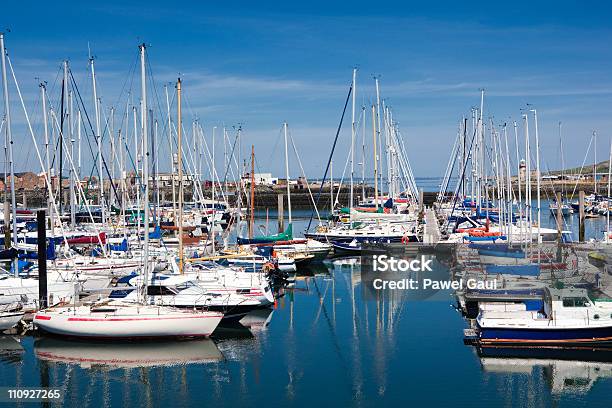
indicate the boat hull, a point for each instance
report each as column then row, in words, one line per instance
column 131, row 325
column 10, row 319
column 601, row 336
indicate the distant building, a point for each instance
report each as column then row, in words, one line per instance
column 261, row 179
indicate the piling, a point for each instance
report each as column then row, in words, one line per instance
column 42, row 259
column 581, row 216
column 281, row 213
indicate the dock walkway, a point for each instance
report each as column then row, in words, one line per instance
column 431, row 233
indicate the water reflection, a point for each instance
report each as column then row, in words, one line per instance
column 329, row 328
column 88, row 354
column 573, row 371
column 11, row 351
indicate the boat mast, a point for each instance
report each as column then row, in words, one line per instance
column 113, row 147
column 122, row 145
column 138, row 174
column 375, row 156
column 537, row 140
column 252, row 200
column 595, row 165
column 98, row 138
column 71, row 172
column 145, row 164
column 509, row 214
column 528, row 180
column 172, row 168
column 79, row 143
column 481, row 137
column 518, row 169
column 287, row 173
column 43, row 96
column 608, row 198
column 60, row 197
column 331, row 186
column 363, row 136
column 214, row 206
column 179, row 153
column 353, row 140
column 378, row 130
column 156, row 171
column 9, row 137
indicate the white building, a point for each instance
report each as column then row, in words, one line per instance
column 261, row 179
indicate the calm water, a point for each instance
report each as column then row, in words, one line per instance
column 328, row 342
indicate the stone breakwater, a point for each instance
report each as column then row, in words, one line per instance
column 265, row 197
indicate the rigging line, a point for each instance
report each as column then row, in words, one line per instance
column 462, row 176
column 78, row 186
column 582, row 166
column 341, row 180
column 130, row 77
column 164, row 126
column 75, row 87
column 275, row 144
column 40, row 161
column 152, row 82
column 229, row 162
column 331, row 154
column 304, row 175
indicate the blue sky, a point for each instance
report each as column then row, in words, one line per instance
column 262, row 64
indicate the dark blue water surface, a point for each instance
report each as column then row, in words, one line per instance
column 326, row 343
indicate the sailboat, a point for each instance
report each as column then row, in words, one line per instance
column 111, row 319
column 286, row 235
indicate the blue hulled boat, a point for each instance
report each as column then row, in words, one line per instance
column 567, row 318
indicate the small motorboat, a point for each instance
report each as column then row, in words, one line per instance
column 347, row 247
column 566, row 210
column 567, row 317
column 10, row 315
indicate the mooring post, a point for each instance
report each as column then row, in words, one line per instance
column 281, row 213
column 581, row 216
column 42, row 259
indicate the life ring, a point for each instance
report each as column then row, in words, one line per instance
column 405, row 240
column 268, row 267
